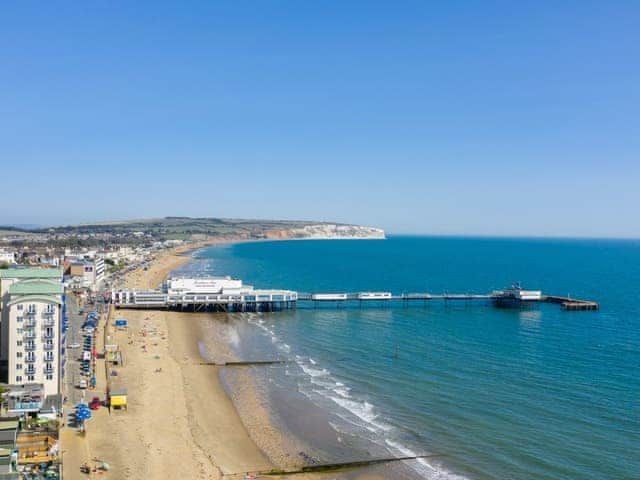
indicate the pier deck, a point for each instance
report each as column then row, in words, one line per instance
column 567, row 303
column 354, row 297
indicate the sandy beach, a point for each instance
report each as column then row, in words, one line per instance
column 180, row 422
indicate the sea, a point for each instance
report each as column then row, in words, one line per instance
column 484, row 392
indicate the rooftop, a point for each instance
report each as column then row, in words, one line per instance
column 36, row 287
column 31, row 273
column 10, row 423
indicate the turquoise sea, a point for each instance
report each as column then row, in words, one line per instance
column 500, row 394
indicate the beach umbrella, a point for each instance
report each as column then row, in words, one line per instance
column 83, row 415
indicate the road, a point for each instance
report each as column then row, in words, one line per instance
column 74, row 355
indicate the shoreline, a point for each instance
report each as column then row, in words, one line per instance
column 181, row 420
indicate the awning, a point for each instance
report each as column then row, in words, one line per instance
column 118, row 400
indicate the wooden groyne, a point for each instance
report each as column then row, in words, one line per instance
column 332, row 467
column 247, row 363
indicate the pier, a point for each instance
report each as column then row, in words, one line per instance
column 246, row 299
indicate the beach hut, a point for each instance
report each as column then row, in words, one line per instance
column 118, row 398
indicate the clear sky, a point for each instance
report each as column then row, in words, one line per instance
column 479, row 117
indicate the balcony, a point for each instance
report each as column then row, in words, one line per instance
column 48, row 336
column 29, row 323
column 30, row 371
column 30, row 347
column 48, row 370
column 48, row 346
column 30, row 359
column 49, row 322
column 48, row 358
column 31, row 312
column 29, row 334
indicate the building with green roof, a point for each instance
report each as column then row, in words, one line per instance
column 24, row 273
column 31, row 300
column 36, row 287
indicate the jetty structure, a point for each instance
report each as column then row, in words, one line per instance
column 221, row 294
column 226, row 294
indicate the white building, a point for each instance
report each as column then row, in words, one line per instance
column 204, row 285
column 31, row 329
column 88, row 273
column 7, row 257
column 98, row 264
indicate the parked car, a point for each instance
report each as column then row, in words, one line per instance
column 95, row 403
column 82, row 383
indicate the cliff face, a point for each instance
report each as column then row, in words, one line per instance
column 327, row 231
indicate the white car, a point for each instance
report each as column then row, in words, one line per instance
column 82, row 383
column 74, row 345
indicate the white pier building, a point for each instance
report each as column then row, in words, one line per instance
column 206, row 293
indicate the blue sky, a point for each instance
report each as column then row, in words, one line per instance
column 492, row 118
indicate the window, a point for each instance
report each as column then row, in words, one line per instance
column 49, row 366
column 19, row 379
column 19, row 306
column 19, row 343
column 18, row 366
column 19, row 331
column 19, row 354
column 19, row 319
column 31, row 378
column 49, row 377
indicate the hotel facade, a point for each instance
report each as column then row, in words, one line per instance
column 31, row 340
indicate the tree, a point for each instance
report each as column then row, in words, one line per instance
column 4, row 265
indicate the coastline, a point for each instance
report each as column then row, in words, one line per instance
column 181, row 421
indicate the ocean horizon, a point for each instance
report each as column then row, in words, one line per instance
column 495, row 393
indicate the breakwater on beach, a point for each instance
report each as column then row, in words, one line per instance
column 536, row 393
